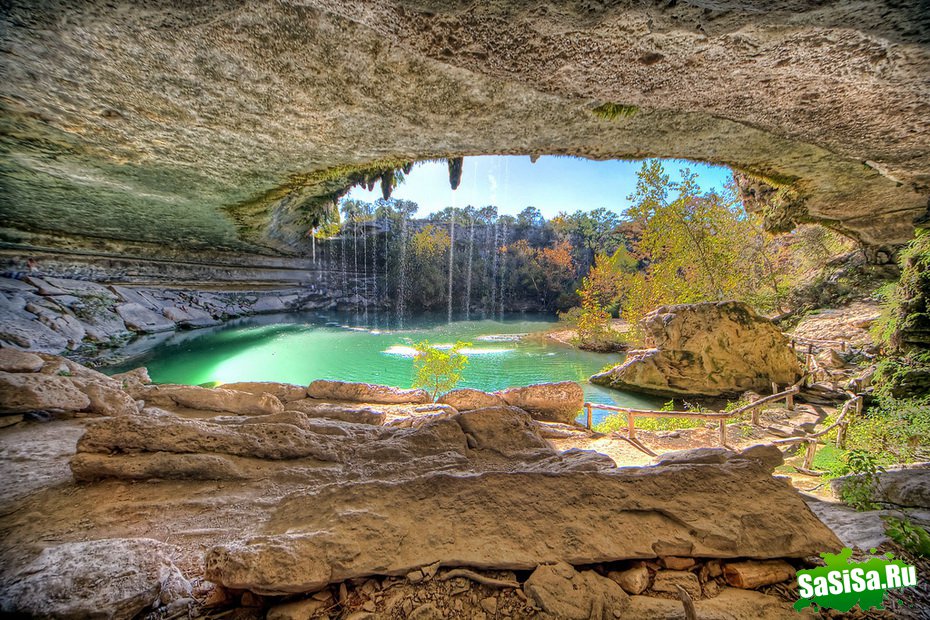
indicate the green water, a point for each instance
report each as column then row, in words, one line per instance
column 298, row 348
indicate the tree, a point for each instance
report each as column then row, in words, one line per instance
column 438, row 370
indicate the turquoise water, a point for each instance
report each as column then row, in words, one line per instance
column 298, row 348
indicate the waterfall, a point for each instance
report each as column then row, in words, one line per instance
column 402, row 272
column 451, row 259
column 503, row 269
column 343, row 264
column 494, row 260
column 355, row 271
column 374, row 271
column 471, row 249
column 365, row 299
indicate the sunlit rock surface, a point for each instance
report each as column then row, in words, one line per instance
column 712, row 349
column 230, row 126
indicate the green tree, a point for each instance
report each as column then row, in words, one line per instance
column 438, row 370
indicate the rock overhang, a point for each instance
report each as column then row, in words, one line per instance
column 235, row 124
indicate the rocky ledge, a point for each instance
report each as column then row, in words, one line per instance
column 55, row 315
column 395, row 494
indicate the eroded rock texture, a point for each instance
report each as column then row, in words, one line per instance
column 234, row 125
column 711, row 348
column 391, row 527
column 112, row 578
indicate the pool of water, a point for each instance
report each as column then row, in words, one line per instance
column 298, row 348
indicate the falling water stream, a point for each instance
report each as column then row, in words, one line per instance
column 451, row 259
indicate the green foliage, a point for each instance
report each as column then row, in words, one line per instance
column 898, row 429
column 618, row 422
column 903, row 374
column 614, row 111
column 438, row 370
column 863, row 468
column 692, row 246
column 905, row 304
column 908, row 534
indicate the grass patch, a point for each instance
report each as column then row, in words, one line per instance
column 618, row 422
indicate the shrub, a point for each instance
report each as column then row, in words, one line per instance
column 438, row 370
column 863, row 469
column 908, row 534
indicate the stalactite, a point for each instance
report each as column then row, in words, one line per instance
column 387, row 184
column 455, row 171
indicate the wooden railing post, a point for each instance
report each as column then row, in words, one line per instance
column 789, row 402
column 809, row 454
column 631, row 425
column 841, row 436
column 755, row 416
column 723, row 431
column 587, row 407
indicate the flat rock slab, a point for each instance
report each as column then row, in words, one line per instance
column 365, row 393
column 735, row 509
column 138, row 318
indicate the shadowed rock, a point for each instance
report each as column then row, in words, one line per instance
column 826, row 101
column 110, row 578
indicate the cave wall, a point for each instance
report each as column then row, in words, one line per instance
column 231, row 126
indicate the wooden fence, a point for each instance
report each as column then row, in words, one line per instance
column 721, row 417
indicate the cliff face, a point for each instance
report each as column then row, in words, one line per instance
column 235, row 124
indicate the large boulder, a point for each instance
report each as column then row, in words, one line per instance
column 550, row 402
column 338, row 532
column 20, row 392
column 365, row 393
column 708, row 349
column 507, row 430
column 110, row 578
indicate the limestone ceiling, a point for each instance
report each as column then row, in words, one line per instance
column 230, row 124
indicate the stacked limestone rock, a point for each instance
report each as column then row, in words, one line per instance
column 396, row 506
column 54, row 315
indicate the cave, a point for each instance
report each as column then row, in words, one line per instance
column 175, row 179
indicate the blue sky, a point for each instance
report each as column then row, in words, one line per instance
column 551, row 185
